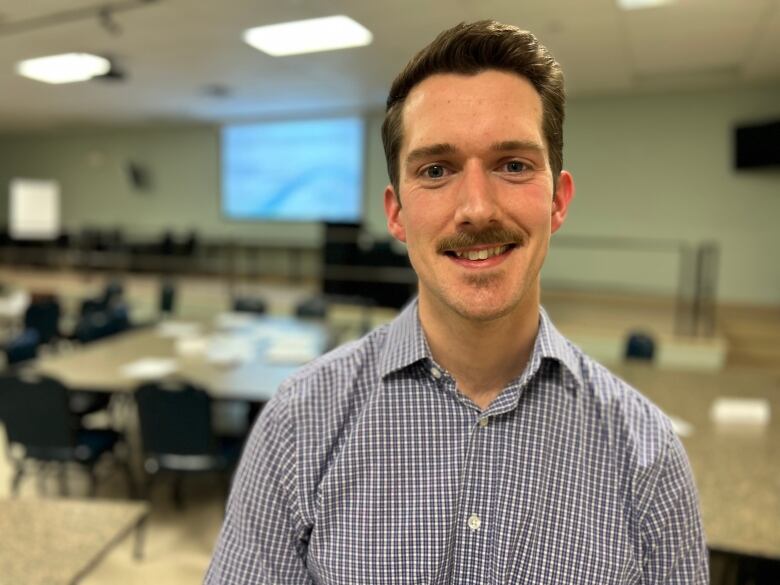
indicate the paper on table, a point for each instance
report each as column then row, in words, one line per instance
column 192, row 346
column 149, row 368
column 225, row 350
column 741, row 411
column 682, row 428
column 292, row 348
column 178, row 329
column 234, row 320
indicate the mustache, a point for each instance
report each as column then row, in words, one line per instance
column 497, row 235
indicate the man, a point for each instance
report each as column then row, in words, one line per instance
column 468, row 441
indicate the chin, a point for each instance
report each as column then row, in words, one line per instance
column 484, row 305
column 483, row 315
column 478, row 298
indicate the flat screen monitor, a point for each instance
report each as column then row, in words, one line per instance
column 757, row 145
column 305, row 170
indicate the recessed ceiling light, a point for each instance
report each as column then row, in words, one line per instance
column 308, row 36
column 65, row 68
column 639, row 4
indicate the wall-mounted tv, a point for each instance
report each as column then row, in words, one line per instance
column 303, row 170
column 757, row 145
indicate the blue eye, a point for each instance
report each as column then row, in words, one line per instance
column 515, row 166
column 434, row 172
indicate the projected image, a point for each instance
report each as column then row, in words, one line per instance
column 293, row 171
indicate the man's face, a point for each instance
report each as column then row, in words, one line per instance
column 476, row 194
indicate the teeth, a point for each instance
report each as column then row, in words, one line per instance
column 483, row 254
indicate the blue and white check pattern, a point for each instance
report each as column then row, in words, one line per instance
column 369, row 467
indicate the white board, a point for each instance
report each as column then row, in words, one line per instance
column 34, row 212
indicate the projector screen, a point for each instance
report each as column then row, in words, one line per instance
column 308, row 170
column 34, row 209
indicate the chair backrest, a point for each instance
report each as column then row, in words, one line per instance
column 640, row 346
column 167, row 297
column 92, row 305
column 112, row 293
column 92, row 326
column 35, row 412
column 44, row 317
column 254, row 305
column 175, row 419
column 312, row 308
column 118, row 319
column 23, row 347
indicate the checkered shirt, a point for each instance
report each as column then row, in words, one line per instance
column 369, row 467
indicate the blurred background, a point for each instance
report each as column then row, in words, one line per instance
column 194, row 193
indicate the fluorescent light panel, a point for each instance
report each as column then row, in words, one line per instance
column 65, row 68
column 308, row 36
column 639, row 4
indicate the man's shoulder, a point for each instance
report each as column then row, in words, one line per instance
column 622, row 408
column 336, row 373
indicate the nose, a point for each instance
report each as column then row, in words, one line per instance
column 477, row 204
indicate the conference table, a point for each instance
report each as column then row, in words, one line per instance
column 735, row 459
column 235, row 356
column 57, row 542
column 736, row 465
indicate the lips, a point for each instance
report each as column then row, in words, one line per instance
column 482, row 254
column 482, row 257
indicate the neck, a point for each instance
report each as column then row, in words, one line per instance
column 482, row 356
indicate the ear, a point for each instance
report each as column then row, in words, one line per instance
column 564, row 193
column 394, row 213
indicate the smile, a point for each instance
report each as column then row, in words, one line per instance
column 482, row 254
column 486, row 257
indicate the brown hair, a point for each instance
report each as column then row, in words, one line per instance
column 469, row 49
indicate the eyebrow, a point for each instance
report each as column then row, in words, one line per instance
column 429, row 151
column 508, row 145
column 445, row 148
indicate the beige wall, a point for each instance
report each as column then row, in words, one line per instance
column 650, row 166
column 661, row 166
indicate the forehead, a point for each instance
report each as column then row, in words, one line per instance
column 469, row 110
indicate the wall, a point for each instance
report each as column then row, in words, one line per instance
column 645, row 166
column 661, row 167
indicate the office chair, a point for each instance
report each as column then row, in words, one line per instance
column 254, row 305
column 640, row 346
column 312, row 308
column 177, row 434
column 90, row 306
column 112, row 293
column 92, row 326
column 44, row 317
column 23, row 347
column 118, row 316
column 37, row 418
column 167, row 298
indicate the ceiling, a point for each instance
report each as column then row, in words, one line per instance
column 174, row 52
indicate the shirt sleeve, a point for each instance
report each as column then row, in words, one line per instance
column 262, row 539
column 674, row 547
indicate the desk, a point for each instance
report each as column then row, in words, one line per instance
column 737, row 469
column 98, row 366
column 54, row 542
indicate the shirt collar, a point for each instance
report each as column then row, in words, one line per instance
column 406, row 345
column 551, row 344
column 405, row 342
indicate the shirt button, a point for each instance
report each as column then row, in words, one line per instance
column 436, row 373
column 483, row 422
column 474, row 522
